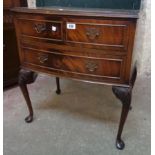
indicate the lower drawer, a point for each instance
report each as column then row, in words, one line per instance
column 109, row 68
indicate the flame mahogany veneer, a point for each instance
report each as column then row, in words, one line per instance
column 88, row 45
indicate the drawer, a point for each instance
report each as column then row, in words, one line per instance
column 110, row 68
column 42, row 29
column 106, row 34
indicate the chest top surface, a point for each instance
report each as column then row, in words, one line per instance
column 95, row 12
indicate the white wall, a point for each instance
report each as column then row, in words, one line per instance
column 142, row 47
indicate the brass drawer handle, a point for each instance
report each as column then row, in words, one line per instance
column 43, row 58
column 91, row 66
column 40, row 28
column 92, row 33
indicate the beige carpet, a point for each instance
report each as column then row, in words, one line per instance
column 83, row 120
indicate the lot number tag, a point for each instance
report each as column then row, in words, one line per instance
column 71, row 26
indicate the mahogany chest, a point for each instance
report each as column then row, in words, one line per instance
column 88, row 45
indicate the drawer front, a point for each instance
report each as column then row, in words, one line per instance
column 110, row 68
column 42, row 29
column 106, row 34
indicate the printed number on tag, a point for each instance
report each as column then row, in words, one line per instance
column 71, row 26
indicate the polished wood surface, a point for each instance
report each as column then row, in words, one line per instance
column 10, row 58
column 94, row 68
column 10, row 4
column 10, row 50
column 104, row 42
column 43, row 29
column 91, row 46
column 10, row 53
column 98, row 32
column 84, row 12
column 124, row 95
column 27, row 77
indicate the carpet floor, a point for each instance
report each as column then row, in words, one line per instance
column 83, row 120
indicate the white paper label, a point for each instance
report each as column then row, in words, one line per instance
column 54, row 28
column 71, row 26
column 31, row 3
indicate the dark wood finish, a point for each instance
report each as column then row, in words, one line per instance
column 39, row 28
column 97, row 47
column 23, row 3
column 124, row 94
column 10, row 4
column 88, row 67
column 10, row 58
column 119, row 13
column 27, row 77
column 120, row 54
column 10, row 53
column 99, row 32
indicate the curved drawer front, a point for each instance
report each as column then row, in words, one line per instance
column 110, row 68
column 41, row 29
column 105, row 34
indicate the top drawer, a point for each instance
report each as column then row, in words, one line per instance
column 105, row 33
column 51, row 30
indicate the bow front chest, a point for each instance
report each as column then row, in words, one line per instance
column 88, row 45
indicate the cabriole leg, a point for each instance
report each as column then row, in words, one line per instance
column 27, row 77
column 124, row 94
